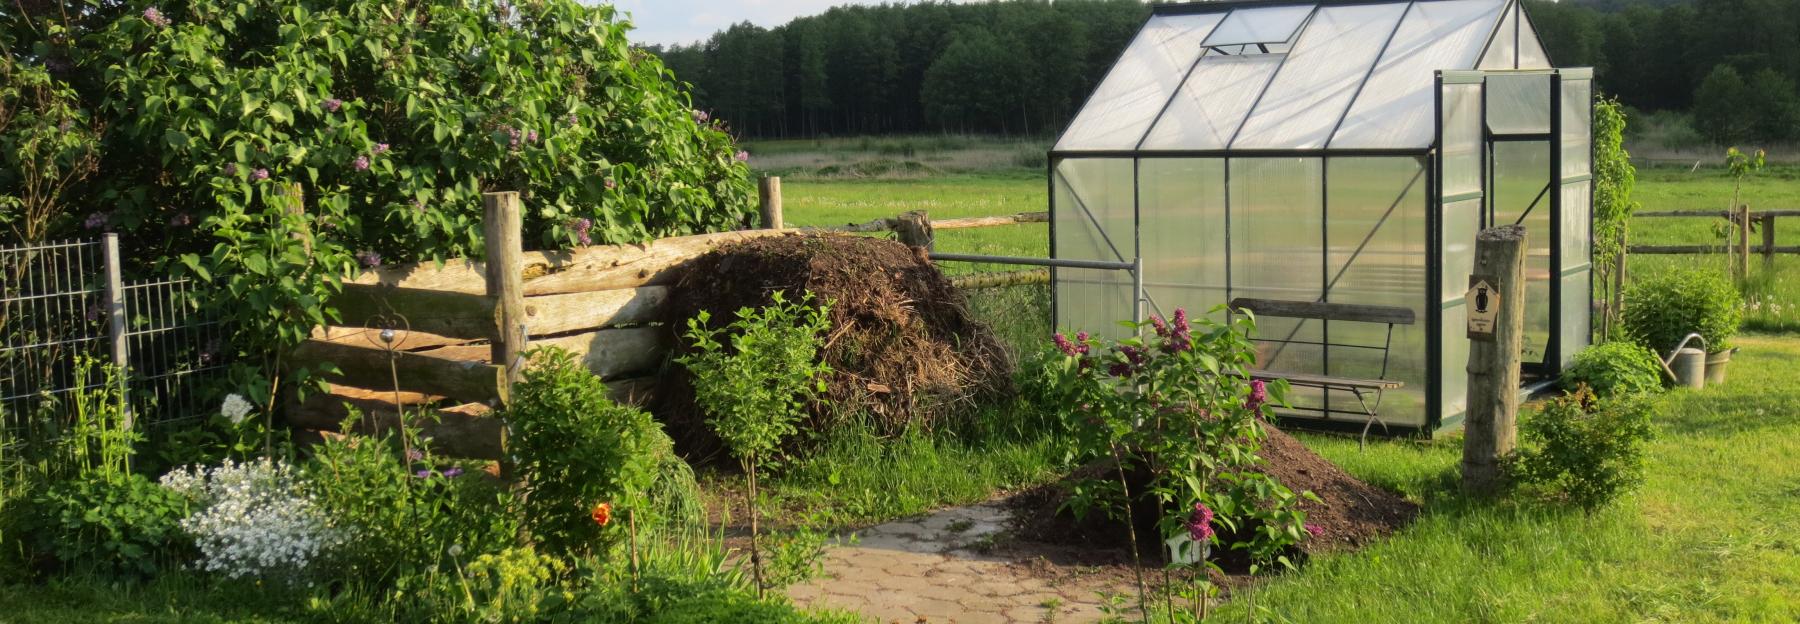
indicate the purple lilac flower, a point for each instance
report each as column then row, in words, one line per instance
column 1162, row 328
column 1200, row 523
column 1313, row 529
column 333, row 104
column 1063, row 345
column 1119, row 369
column 1259, row 394
column 423, row 474
column 453, row 472
column 513, row 135
column 531, row 136
column 581, row 226
column 231, row 169
column 155, row 17
column 743, row 156
column 380, row 148
column 368, row 258
column 414, row 455
column 97, row 220
column 701, row 116
column 260, row 175
column 361, row 163
column 1180, row 321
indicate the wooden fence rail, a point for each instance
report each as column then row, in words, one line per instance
column 1743, row 221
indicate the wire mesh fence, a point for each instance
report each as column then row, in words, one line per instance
column 64, row 313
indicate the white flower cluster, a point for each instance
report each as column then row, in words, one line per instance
column 252, row 519
column 235, row 408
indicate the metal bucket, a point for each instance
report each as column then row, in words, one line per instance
column 1689, row 366
column 1715, row 366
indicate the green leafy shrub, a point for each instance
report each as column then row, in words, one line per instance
column 1582, row 449
column 1664, row 307
column 270, row 147
column 406, row 512
column 575, row 450
column 126, row 525
column 1178, row 425
column 754, row 388
column 1615, row 368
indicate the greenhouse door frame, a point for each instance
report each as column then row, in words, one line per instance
column 1553, row 140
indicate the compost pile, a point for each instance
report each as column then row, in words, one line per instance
column 903, row 348
column 1348, row 514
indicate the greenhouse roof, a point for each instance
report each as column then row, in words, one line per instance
column 1272, row 76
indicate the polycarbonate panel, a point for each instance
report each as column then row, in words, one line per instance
column 1577, row 313
column 1260, row 25
column 1277, row 252
column 1182, row 203
column 1394, row 109
column 1521, row 174
column 1501, row 52
column 1462, row 221
column 1314, row 87
column 1531, row 52
column 1577, row 237
column 1577, row 126
column 1139, row 85
column 1376, row 238
column 1208, row 109
column 1462, row 139
column 1518, row 104
column 1092, row 218
column 1454, row 367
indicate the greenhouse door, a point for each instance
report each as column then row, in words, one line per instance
column 1520, row 153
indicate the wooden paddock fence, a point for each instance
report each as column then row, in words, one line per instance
column 425, row 335
column 1743, row 221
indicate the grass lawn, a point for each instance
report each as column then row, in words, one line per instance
column 1710, row 538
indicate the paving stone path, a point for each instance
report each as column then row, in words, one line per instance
column 928, row 570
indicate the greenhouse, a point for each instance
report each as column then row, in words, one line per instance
column 1327, row 166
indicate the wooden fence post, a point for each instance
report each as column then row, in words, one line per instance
column 505, row 280
column 771, row 202
column 914, row 229
column 1496, row 331
column 1742, row 267
column 115, row 322
column 1768, row 227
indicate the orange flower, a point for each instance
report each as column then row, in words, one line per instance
column 602, row 513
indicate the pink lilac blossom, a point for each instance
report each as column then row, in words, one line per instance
column 380, row 148
column 361, row 163
column 155, row 17
column 1200, row 523
column 743, row 156
column 1313, row 529
column 260, row 175
column 333, row 104
column 368, row 258
column 1259, row 395
column 231, row 169
column 582, row 226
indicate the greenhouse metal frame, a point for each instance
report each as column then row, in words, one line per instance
column 1331, row 153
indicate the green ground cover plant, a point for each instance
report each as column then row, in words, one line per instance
column 1615, row 368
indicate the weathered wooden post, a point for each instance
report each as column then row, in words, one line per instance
column 1742, row 267
column 1496, row 305
column 1768, row 232
column 771, row 202
column 505, row 280
column 115, row 322
column 914, row 229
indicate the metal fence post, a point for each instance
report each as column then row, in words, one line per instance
column 115, row 322
column 1137, row 289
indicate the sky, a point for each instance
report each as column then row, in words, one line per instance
column 688, row 21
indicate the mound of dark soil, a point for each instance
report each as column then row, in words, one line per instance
column 903, row 348
column 1349, row 512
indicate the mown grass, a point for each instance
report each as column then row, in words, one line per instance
column 1710, row 538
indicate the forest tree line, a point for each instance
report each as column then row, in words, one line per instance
column 1025, row 66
